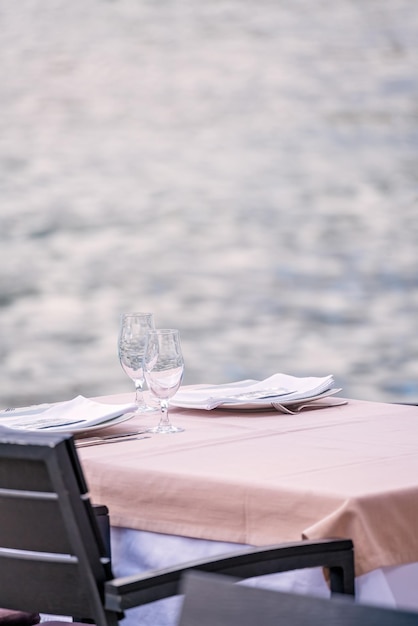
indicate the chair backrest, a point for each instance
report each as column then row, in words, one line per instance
column 213, row 600
column 53, row 559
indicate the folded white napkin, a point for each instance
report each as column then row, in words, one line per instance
column 281, row 388
column 80, row 412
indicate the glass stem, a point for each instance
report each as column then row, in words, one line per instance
column 164, row 421
column 139, row 396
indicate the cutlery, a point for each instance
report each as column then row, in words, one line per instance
column 97, row 441
column 113, row 436
column 54, row 424
column 42, row 424
column 258, row 394
column 300, row 407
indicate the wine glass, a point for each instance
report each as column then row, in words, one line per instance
column 164, row 367
column 131, row 346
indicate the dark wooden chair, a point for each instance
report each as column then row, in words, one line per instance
column 54, row 560
column 213, row 600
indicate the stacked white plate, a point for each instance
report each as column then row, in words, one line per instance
column 256, row 394
column 73, row 416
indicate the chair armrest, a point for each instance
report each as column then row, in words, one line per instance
column 335, row 554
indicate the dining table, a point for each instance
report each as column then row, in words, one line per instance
column 244, row 477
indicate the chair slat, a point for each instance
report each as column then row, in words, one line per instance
column 53, row 585
column 29, row 523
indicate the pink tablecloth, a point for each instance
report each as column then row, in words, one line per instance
column 261, row 478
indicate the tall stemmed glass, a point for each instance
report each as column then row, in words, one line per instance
column 164, row 367
column 131, row 346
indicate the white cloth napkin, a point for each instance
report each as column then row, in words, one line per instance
column 280, row 387
column 80, row 412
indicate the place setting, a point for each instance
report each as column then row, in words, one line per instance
column 153, row 356
column 147, row 355
column 280, row 392
column 76, row 416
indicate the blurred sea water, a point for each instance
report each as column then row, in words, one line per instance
column 248, row 171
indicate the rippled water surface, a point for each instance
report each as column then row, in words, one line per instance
column 246, row 170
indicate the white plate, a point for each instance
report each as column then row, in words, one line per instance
column 79, row 429
column 263, row 404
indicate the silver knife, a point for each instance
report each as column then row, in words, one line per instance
column 98, row 441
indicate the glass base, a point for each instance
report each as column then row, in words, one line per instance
column 166, row 429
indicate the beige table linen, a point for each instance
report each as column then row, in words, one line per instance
column 263, row 477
